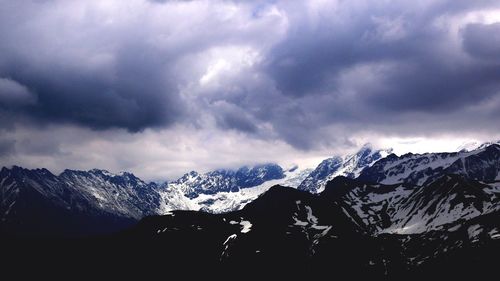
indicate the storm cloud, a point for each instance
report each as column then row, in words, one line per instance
column 307, row 75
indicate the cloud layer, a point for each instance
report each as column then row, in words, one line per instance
column 310, row 76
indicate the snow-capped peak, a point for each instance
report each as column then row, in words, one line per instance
column 421, row 169
column 350, row 165
column 474, row 145
column 224, row 190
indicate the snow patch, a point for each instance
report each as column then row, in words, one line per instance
column 246, row 226
column 310, row 217
column 229, row 238
column 299, row 222
column 474, row 231
column 494, row 234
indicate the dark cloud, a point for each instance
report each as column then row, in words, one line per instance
column 483, row 41
column 313, row 55
column 128, row 86
column 310, row 73
column 230, row 117
column 89, row 101
column 371, row 66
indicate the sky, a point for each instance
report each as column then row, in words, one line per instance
column 160, row 88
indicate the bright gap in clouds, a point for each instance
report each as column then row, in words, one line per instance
column 226, row 61
column 401, row 146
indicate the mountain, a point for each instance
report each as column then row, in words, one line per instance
column 349, row 166
column 282, row 229
column 33, row 200
column 193, row 184
column 482, row 164
column 124, row 198
column 83, row 202
column 123, row 194
column 433, row 215
column 473, row 145
column 409, row 209
column 299, row 235
column 195, row 192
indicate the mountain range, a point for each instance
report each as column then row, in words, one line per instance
column 372, row 213
column 349, row 166
column 97, row 194
column 351, row 229
column 123, row 197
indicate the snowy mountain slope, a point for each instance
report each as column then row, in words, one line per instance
column 395, row 194
column 420, row 169
column 409, row 209
column 123, row 194
column 470, row 146
column 40, row 181
column 448, row 201
column 193, row 184
column 376, row 206
column 175, row 198
column 98, row 193
column 294, row 176
column 89, row 197
column 349, row 166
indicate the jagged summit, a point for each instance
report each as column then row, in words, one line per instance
column 78, row 196
column 350, row 166
column 473, row 145
column 420, row 169
column 194, row 184
column 225, row 190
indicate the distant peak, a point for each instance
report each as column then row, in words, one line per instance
column 70, row 171
column 125, row 174
column 191, row 174
column 99, row 171
column 258, row 166
column 475, row 145
column 367, row 145
column 335, row 158
column 468, row 146
column 365, row 149
column 389, row 150
column 494, row 146
column 15, row 167
column 20, row 170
